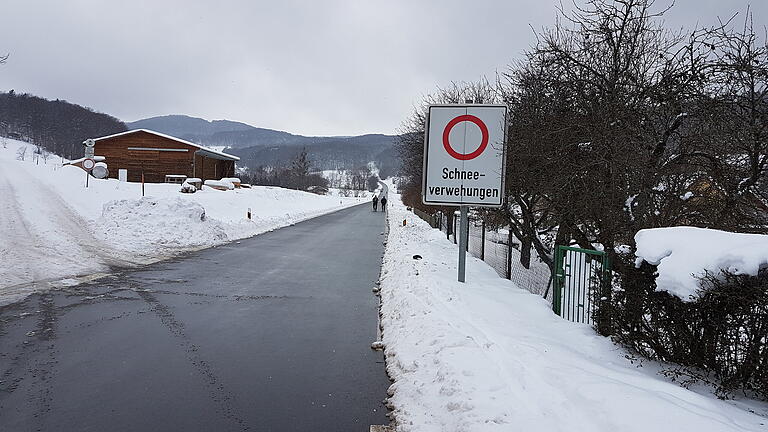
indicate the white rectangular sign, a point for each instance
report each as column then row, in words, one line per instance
column 464, row 155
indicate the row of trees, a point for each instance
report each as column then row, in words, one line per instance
column 359, row 179
column 297, row 175
column 57, row 126
column 618, row 124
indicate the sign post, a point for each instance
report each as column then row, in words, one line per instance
column 464, row 161
column 89, row 150
column 88, row 163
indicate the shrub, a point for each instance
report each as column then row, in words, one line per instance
column 721, row 337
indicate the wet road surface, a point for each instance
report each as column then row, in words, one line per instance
column 271, row 334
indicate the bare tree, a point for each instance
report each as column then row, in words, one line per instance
column 410, row 142
column 734, row 133
column 618, row 125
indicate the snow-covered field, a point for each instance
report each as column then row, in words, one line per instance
column 488, row 356
column 52, row 227
column 349, row 193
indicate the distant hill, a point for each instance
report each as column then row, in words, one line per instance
column 266, row 147
column 57, row 126
column 185, row 127
column 215, row 132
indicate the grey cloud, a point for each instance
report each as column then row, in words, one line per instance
column 321, row 68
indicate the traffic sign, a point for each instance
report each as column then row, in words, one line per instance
column 100, row 170
column 89, row 148
column 464, row 155
column 88, row 164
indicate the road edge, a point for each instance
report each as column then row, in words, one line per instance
column 20, row 292
column 392, row 426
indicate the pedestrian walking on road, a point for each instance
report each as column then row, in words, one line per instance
column 375, row 202
column 384, row 203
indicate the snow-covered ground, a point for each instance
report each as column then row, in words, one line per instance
column 683, row 254
column 488, row 356
column 349, row 193
column 52, row 227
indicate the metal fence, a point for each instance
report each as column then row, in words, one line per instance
column 581, row 276
column 498, row 249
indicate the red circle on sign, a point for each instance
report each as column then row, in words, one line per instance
column 88, row 164
column 483, row 142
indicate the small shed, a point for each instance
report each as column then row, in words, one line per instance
column 158, row 155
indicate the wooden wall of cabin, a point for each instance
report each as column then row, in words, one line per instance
column 156, row 164
column 213, row 169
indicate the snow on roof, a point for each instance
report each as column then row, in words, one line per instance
column 204, row 149
column 77, row 161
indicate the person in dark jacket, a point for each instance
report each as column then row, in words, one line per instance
column 375, row 202
column 384, row 203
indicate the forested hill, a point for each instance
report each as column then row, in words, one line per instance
column 222, row 133
column 328, row 154
column 188, row 128
column 56, row 125
column 266, row 147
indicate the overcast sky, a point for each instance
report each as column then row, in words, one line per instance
column 308, row 67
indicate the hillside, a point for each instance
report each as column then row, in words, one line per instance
column 57, row 126
column 266, row 147
column 221, row 132
column 188, row 127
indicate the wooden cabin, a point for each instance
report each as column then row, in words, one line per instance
column 158, row 155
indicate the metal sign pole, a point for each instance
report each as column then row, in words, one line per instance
column 463, row 240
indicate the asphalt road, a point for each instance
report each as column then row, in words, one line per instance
column 271, row 333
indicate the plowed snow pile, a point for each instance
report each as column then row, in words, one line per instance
column 176, row 223
column 488, row 356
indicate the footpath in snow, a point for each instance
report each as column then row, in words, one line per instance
column 53, row 228
column 488, row 356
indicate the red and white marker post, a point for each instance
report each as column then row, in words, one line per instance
column 88, row 165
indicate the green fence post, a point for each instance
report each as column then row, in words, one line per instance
column 556, row 280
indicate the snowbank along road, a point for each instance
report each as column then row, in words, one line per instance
column 54, row 241
column 270, row 333
column 53, row 228
column 486, row 356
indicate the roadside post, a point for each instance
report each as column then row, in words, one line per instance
column 464, row 161
column 88, row 163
